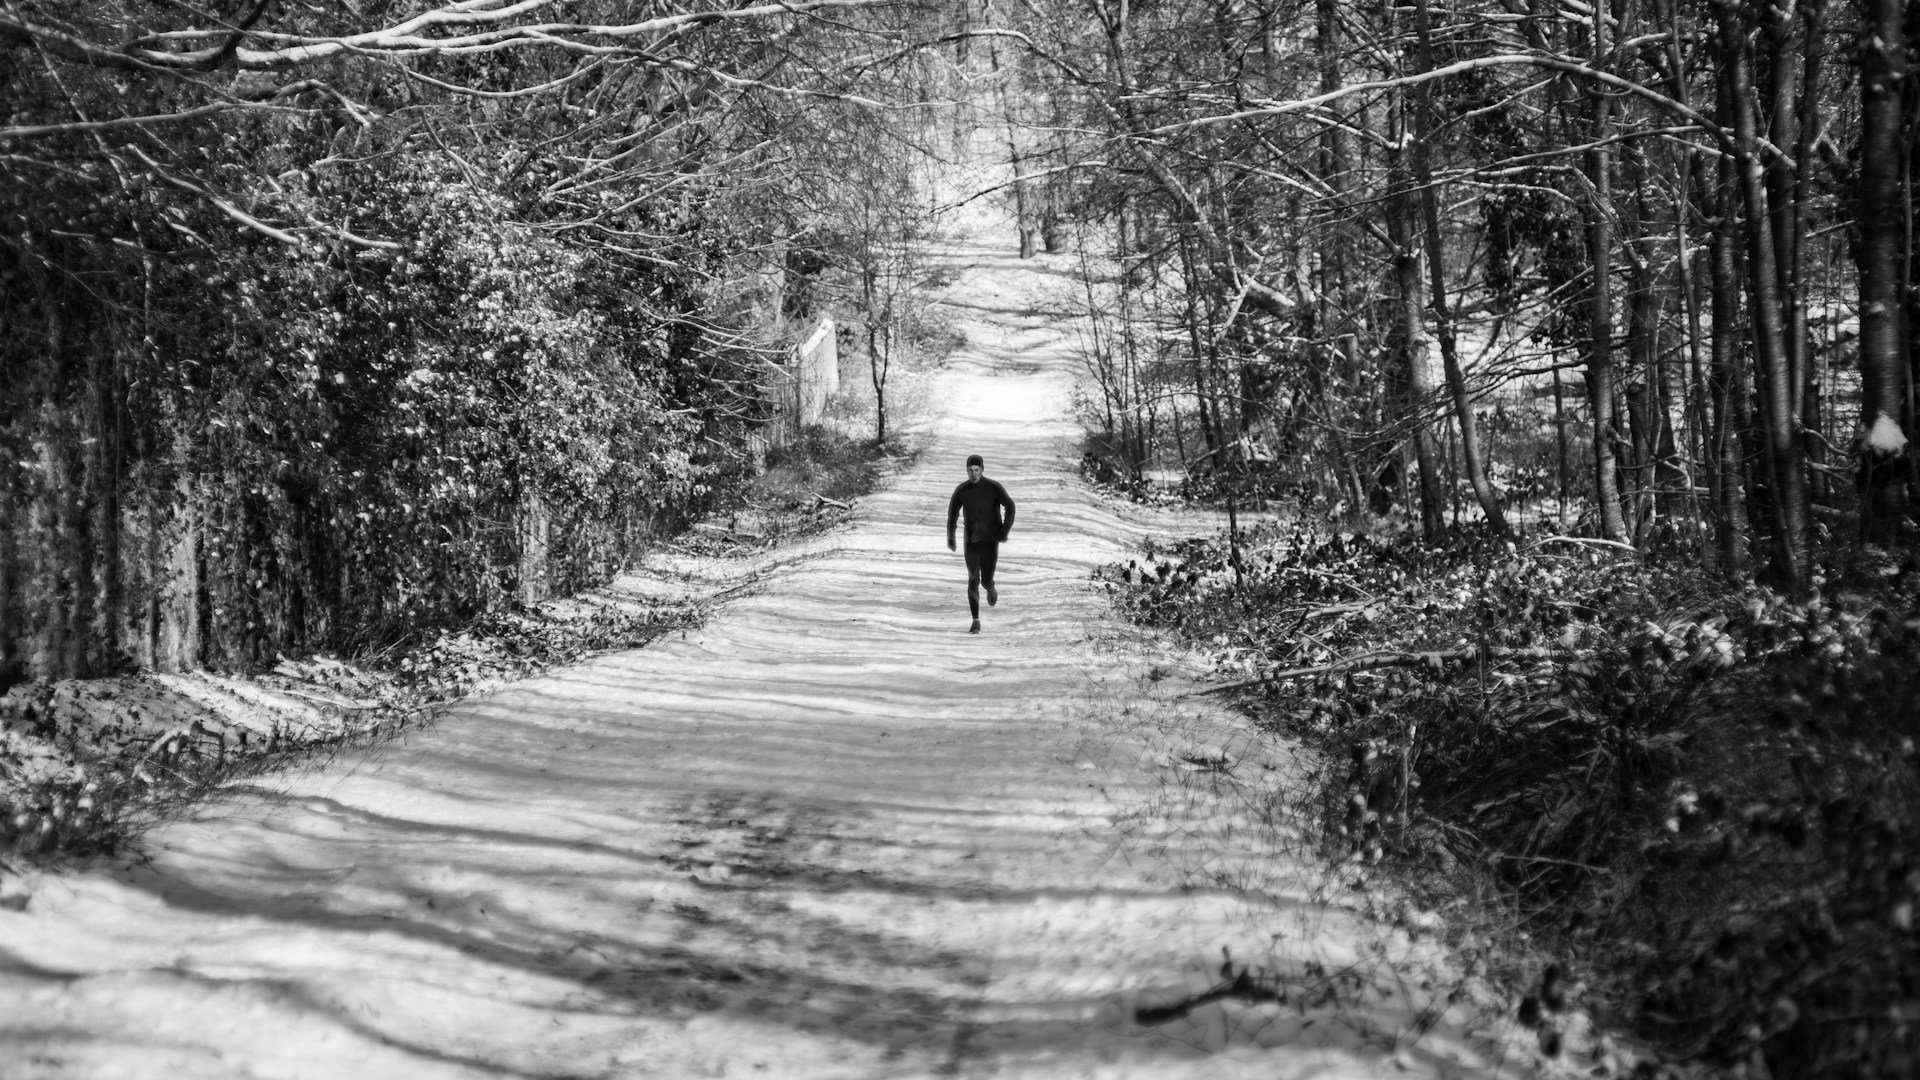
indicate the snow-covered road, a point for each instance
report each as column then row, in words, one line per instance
column 829, row 834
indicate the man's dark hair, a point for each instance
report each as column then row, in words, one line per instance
column 976, row 459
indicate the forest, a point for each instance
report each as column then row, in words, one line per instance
column 325, row 323
column 1644, row 266
column 1551, row 361
column 1552, row 365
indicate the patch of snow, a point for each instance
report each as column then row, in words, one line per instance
column 1885, row 436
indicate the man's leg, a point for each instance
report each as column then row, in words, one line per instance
column 973, row 583
column 989, row 558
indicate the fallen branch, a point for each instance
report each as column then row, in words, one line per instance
column 722, row 530
column 1374, row 660
column 1593, row 541
column 1244, row 986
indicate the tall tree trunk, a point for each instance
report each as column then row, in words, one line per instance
column 1782, row 127
column 1692, row 196
column 1884, row 460
column 1641, row 392
column 1696, row 393
column 1023, row 211
column 1411, row 334
column 1597, row 210
column 1022, row 200
column 1785, row 457
column 1600, row 372
column 879, row 355
column 1806, row 360
column 1909, row 265
column 1726, row 376
column 109, row 615
column 1423, row 124
column 1340, row 322
column 1211, row 422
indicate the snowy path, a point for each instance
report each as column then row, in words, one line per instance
column 829, row 834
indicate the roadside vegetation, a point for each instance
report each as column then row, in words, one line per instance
column 1695, row 806
column 1570, row 343
column 353, row 351
column 1570, row 350
column 89, row 765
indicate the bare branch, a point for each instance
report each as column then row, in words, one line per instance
column 1550, row 63
column 227, row 208
column 488, row 24
column 76, row 127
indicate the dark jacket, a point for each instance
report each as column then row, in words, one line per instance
column 982, row 501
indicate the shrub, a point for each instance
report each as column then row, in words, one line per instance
column 1703, row 801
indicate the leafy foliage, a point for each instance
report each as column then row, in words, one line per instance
column 354, row 437
column 324, row 347
column 1702, row 801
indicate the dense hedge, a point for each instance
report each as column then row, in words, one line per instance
column 216, row 446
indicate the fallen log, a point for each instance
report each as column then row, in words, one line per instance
column 822, row 500
column 722, row 530
column 1372, row 661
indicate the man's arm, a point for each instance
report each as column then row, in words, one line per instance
column 953, row 516
column 1006, row 523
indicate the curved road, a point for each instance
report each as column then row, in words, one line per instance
column 829, row 834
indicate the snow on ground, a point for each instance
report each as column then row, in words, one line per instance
column 829, row 834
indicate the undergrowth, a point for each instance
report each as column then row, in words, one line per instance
column 88, row 765
column 1698, row 805
column 806, row 487
column 824, row 462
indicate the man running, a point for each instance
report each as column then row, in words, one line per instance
column 982, row 499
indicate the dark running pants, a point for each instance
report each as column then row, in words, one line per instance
column 981, row 557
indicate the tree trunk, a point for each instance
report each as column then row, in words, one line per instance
column 1470, row 455
column 535, row 528
column 1023, row 213
column 1411, row 333
column 1806, row 361
column 1642, row 393
column 109, row 615
column 1884, row 461
column 1600, row 375
column 1782, row 125
column 1785, row 457
column 178, row 631
column 1560, row 422
column 877, row 369
column 1725, row 378
column 1022, row 199
column 1695, row 394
